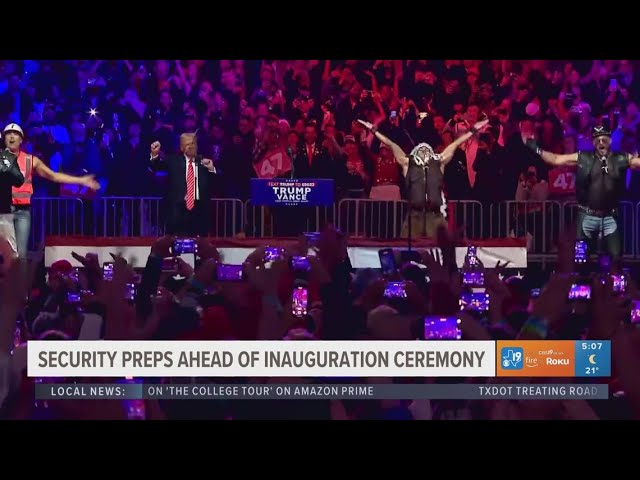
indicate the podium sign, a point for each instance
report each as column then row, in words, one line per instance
column 294, row 192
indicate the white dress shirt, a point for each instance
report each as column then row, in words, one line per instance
column 186, row 172
column 471, row 152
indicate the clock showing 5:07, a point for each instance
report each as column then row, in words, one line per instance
column 593, row 358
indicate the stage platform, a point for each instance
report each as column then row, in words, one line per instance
column 363, row 252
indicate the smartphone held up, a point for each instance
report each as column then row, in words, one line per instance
column 299, row 301
column 442, row 328
column 229, row 273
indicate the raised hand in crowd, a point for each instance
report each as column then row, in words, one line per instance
column 497, row 289
column 14, row 292
column 206, row 250
column 91, row 275
column 263, row 278
column 272, row 324
column 155, row 149
column 611, row 320
column 332, row 247
column 122, row 321
column 552, row 306
column 161, row 248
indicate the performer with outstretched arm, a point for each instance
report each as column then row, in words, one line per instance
column 423, row 170
column 31, row 165
column 600, row 182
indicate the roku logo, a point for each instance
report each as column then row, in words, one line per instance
column 557, row 361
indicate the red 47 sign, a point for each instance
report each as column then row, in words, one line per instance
column 562, row 181
column 273, row 164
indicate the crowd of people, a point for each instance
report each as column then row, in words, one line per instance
column 342, row 304
column 331, row 119
column 299, row 119
column 101, row 117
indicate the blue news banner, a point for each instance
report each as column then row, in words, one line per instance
column 292, row 192
column 310, row 391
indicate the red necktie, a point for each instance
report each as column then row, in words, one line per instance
column 310, row 153
column 191, row 186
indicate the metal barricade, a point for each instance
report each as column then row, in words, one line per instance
column 363, row 217
column 540, row 222
column 629, row 228
column 628, row 224
column 321, row 216
column 569, row 214
column 145, row 217
column 469, row 217
column 637, row 226
column 257, row 221
column 385, row 219
column 285, row 221
column 55, row 216
column 128, row 217
column 227, row 217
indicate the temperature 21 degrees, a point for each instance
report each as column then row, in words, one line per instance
column 591, row 370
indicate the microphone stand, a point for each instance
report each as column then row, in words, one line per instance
column 410, row 218
column 605, row 171
column 293, row 163
column 292, row 155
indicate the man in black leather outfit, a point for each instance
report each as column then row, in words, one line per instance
column 600, row 183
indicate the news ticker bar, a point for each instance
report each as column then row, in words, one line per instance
column 321, row 391
column 320, row 359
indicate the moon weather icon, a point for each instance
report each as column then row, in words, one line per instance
column 592, row 359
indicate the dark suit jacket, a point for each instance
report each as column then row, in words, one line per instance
column 175, row 167
column 321, row 166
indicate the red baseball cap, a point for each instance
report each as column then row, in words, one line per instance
column 215, row 325
column 62, row 266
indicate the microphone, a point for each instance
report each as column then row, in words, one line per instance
column 197, row 160
column 293, row 167
column 605, row 167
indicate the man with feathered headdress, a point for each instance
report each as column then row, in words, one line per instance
column 423, row 170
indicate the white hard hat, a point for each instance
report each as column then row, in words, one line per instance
column 13, row 127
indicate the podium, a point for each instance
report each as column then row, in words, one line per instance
column 292, row 192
